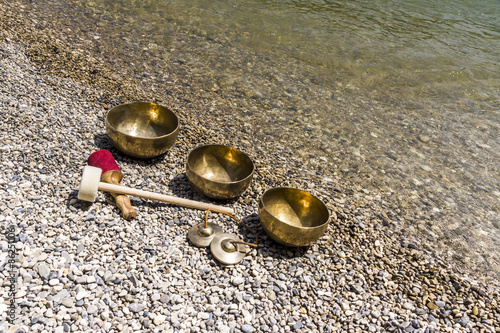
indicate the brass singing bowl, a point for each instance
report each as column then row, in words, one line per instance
column 292, row 217
column 219, row 172
column 142, row 130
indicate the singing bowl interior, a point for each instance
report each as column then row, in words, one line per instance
column 293, row 217
column 219, row 172
column 142, row 129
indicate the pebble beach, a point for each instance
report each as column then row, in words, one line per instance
column 75, row 266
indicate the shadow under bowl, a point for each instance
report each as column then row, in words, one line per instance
column 142, row 130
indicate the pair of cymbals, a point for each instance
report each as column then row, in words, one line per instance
column 226, row 248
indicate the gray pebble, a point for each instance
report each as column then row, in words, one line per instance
column 238, row 280
column 420, row 311
column 67, row 302
column 43, row 271
column 91, row 309
column 135, row 307
column 247, row 329
column 79, row 249
column 440, row 304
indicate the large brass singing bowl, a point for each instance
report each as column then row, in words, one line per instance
column 219, row 172
column 142, row 130
column 293, row 217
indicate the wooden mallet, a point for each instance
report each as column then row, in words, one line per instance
column 90, row 184
column 111, row 173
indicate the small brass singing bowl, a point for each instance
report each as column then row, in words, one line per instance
column 219, row 172
column 142, row 130
column 293, row 217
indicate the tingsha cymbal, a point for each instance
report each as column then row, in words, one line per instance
column 201, row 235
column 227, row 249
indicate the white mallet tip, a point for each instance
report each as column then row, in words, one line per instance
column 89, row 185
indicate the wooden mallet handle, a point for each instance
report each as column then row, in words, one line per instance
column 163, row 198
column 122, row 201
column 91, row 184
column 112, row 174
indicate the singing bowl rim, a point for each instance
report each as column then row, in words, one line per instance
column 243, row 180
column 323, row 205
column 148, row 138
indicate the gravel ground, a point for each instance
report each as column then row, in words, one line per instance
column 81, row 267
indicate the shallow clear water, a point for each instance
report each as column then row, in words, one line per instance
column 401, row 99
column 432, row 50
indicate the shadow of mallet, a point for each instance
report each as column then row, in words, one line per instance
column 90, row 184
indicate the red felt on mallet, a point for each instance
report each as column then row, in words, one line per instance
column 104, row 160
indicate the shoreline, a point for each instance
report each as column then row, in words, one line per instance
column 344, row 281
column 423, row 179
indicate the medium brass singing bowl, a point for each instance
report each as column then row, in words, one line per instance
column 142, row 130
column 219, row 172
column 292, row 217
